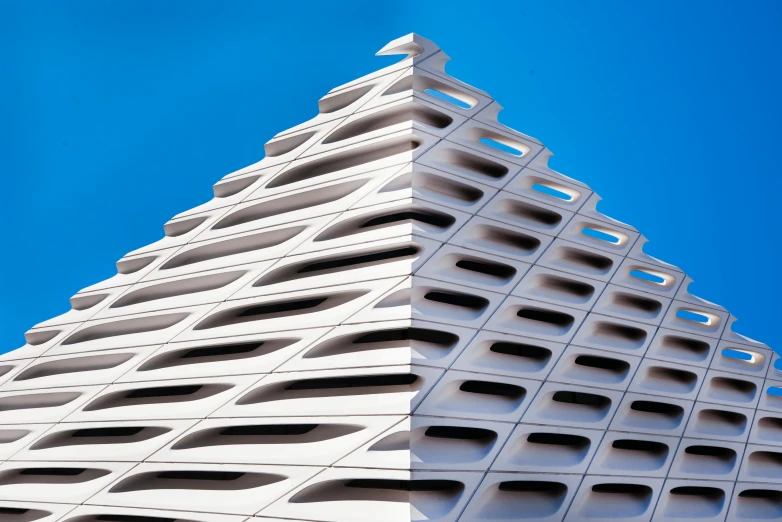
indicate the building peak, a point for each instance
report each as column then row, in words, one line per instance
column 412, row 44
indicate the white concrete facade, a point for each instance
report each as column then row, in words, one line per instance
column 399, row 314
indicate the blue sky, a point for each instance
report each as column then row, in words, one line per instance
column 119, row 114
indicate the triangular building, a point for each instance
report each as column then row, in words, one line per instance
column 399, row 314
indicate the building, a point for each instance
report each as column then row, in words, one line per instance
column 400, row 313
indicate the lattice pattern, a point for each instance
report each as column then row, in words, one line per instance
column 400, row 313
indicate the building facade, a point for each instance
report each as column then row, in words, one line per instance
column 401, row 313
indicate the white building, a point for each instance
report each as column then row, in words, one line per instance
column 400, row 313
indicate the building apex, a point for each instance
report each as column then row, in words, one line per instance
column 413, row 45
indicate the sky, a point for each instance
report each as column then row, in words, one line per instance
column 117, row 115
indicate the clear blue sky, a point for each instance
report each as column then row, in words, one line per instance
column 116, row 115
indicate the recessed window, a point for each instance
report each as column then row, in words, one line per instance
column 647, row 276
column 502, row 147
column 601, row 235
column 551, row 191
column 440, row 95
column 739, row 355
column 689, row 315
